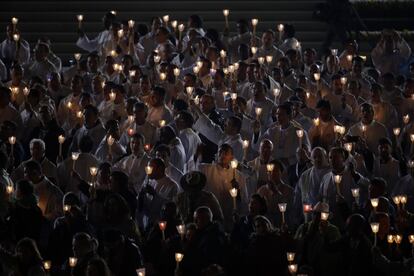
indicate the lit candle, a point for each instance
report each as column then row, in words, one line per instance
column 324, row 216
column 349, row 58
column 233, row 194
column 397, row 201
column 276, row 94
column 226, row 17
column 80, row 19
column 299, row 133
column 223, row 56
column 337, row 180
column 317, row 77
column 166, row 18
column 233, row 96
column 233, row 164
column 47, row 265
column 93, row 171
column 73, row 261
column 112, row 96
column 61, row 140
column 245, row 148
column 375, row 229
column 403, row 200
column 176, row 72
column 293, row 268
column 189, row 90
column 269, row 168
column 316, row 122
column 282, row 209
column 253, row 49
column 411, row 240
column 163, row 76
column 162, row 123
column 14, row 21
column 26, row 91
column 141, row 272
column 9, row 189
column 181, row 230
column 390, row 239
column 374, row 203
column 163, row 226
column 147, row 147
column 258, row 111
column 348, row 147
column 120, row 33
column 364, row 130
column 355, row 194
column 343, row 80
column 334, row 52
column 307, row 208
column 396, row 132
column 280, row 29
column 180, row 30
column 157, row 58
column 178, row 258
column 290, row 256
column 16, row 38
column 12, row 141
column 66, row 208
column 174, row 25
column 75, row 156
column 255, row 21
column 398, row 239
column 269, row 59
column 113, row 53
column 196, row 69
column 110, row 140
column 364, row 58
column 131, row 119
column 261, row 60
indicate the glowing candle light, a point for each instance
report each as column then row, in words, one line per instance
column 181, row 230
column 112, row 96
column 189, row 90
column 148, row 170
column 282, row 209
column 120, row 33
column 174, row 24
column 324, row 216
column 73, row 261
column 180, row 30
column 255, row 21
column 316, row 122
column 261, row 60
column 80, row 19
column 12, row 141
column 293, row 268
column 163, row 226
column 75, row 156
column 157, row 58
column 299, row 133
column 131, row 24
column 334, row 52
column 14, row 21
column 9, row 189
column 348, row 147
column 253, row 49
column 374, row 203
column 349, row 58
column 343, row 80
column 162, row 123
column 163, row 76
column 166, row 18
column 110, row 141
column 178, row 258
column 196, row 69
column 403, row 200
column 390, row 239
column 61, row 140
column 290, row 256
column 396, row 131
column 47, row 265
column 66, row 208
column 337, row 180
column 355, row 194
column 375, row 229
column 77, row 56
column 258, row 111
column 233, row 194
column 406, row 119
column 176, row 72
column 269, row 59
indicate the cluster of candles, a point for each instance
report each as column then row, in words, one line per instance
column 292, row 267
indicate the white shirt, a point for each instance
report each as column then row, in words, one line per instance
column 165, row 187
column 41, row 69
column 373, row 133
column 97, row 44
column 8, row 51
column 96, row 133
column 117, row 151
column 190, row 141
column 156, row 114
column 134, row 167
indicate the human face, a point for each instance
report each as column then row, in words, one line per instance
column 282, row 117
column 318, row 158
column 367, row 115
column 267, row 40
column 261, row 227
column 206, row 105
column 336, row 159
column 266, row 151
column 37, row 152
column 254, row 207
column 225, row 157
column 136, row 146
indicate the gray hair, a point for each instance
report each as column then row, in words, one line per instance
column 39, row 142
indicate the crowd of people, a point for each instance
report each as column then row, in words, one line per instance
column 175, row 149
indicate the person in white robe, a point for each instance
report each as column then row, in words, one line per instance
column 369, row 129
column 384, row 111
column 7, row 110
column 91, row 127
column 276, row 192
column 336, row 185
column 168, row 137
column 37, row 152
column 190, row 140
column 158, row 110
column 50, row 197
column 386, row 166
column 100, row 42
column 163, row 151
column 269, row 49
column 134, row 164
column 262, row 103
column 221, row 178
column 160, row 182
column 308, row 187
column 56, row 90
column 70, row 106
column 257, row 168
column 8, row 48
column 41, row 67
column 230, row 135
column 148, row 41
column 285, row 136
column 110, row 149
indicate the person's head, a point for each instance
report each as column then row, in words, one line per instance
column 184, row 120
column 158, row 168
column 225, row 155
column 376, row 92
column 136, row 144
column 257, row 205
column 161, row 35
column 242, row 26
column 119, row 181
column 278, row 169
column 157, row 96
column 46, row 114
column 97, row 267
column 336, row 83
column 24, row 189
column 259, row 91
column 320, row 207
column 354, row 88
column 104, row 174
column 41, row 51
column 309, row 56
column 140, row 113
column 112, row 128
column 167, row 134
column 384, row 148
column 355, row 225
column 27, row 252
column 7, row 129
column 232, row 126
column 377, row 187
column 262, row 225
column 195, row 21
column 93, row 62
column 319, row 157
column 108, row 19
column 179, row 106
column 83, row 244
column 288, row 31
column 357, row 65
column 37, row 149
column 85, row 144
column 324, row 110
column 163, row 152
column 5, row 96
column 268, row 39
column 218, row 79
column 266, row 149
column 33, row 171
column 91, row 115
column 17, row 72
column 207, row 104
column 76, row 85
column 284, row 114
column 203, row 217
column 367, row 111
column 115, row 208
column 337, row 158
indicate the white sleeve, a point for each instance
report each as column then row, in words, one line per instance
column 209, row 129
column 87, row 44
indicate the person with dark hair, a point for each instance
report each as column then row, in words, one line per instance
column 113, row 150
column 102, row 42
column 368, row 128
column 244, row 36
column 221, row 177
column 162, row 185
column 56, row 89
column 159, row 110
column 122, row 256
column 163, row 152
column 49, row 195
column 289, row 41
column 268, row 47
column 384, row 111
column 25, row 261
column 7, row 111
column 148, row 40
column 9, row 48
column 259, row 100
column 169, row 137
column 25, row 217
column 41, row 66
column 190, row 140
column 194, row 195
column 322, row 133
column 386, row 166
column 92, row 127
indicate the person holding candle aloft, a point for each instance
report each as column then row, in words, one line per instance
column 384, row 111
column 313, row 236
column 259, row 100
column 258, row 165
column 373, row 129
column 276, row 191
column 268, row 48
column 289, row 41
column 168, row 137
column 70, row 105
column 110, row 148
column 41, row 66
column 244, row 36
column 49, row 195
column 8, row 48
